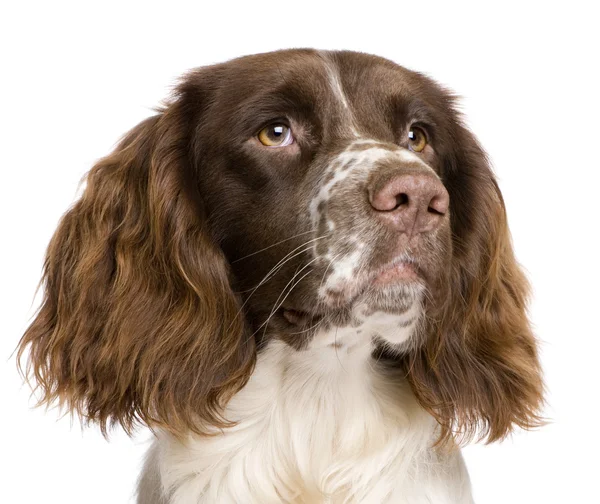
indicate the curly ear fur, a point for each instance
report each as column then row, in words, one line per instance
column 138, row 321
column 478, row 373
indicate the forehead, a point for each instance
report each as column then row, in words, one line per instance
column 326, row 83
column 310, row 70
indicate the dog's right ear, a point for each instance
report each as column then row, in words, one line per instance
column 479, row 373
column 138, row 321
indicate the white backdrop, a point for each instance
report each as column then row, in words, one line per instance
column 77, row 76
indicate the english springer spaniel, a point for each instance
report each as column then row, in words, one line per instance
column 299, row 275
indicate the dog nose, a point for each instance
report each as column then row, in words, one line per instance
column 412, row 203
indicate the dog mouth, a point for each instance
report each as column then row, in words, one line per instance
column 394, row 276
column 387, row 285
column 299, row 317
column 400, row 272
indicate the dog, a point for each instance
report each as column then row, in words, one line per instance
column 299, row 275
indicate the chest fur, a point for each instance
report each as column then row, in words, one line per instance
column 326, row 425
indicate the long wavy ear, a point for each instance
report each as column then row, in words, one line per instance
column 479, row 373
column 138, row 321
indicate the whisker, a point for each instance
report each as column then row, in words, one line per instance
column 274, row 310
column 291, row 280
column 274, row 270
column 335, row 346
column 318, row 324
column 286, row 258
column 327, row 269
column 270, row 246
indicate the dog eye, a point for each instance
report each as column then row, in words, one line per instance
column 276, row 135
column 417, row 140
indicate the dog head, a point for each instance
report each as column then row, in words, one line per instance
column 278, row 196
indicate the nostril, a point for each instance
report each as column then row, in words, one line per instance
column 410, row 203
column 412, row 194
column 401, row 199
column 435, row 207
column 439, row 203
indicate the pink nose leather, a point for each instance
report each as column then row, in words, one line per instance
column 411, row 203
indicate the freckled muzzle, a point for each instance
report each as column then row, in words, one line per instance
column 376, row 207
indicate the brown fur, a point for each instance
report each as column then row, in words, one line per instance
column 139, row 321
column 479, row 373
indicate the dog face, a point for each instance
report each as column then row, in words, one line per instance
column 328, row 201
column 285, row 195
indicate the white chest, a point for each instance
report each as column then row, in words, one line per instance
column 324, row 425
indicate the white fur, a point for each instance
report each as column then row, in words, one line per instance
column 357, row 165
column 342, row 270
column 328, row 424
column 349, row 167
column 325, row 425
column 338, row 92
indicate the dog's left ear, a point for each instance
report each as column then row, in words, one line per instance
column 138, row 322
column 479, row 373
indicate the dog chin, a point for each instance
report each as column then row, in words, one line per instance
column 392, row 298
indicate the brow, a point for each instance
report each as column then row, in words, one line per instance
column 410, row 108
column 280, row 102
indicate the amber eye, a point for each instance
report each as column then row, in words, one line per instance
column 417, row 140
column 275, row 135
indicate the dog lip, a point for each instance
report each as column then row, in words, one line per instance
column 399, row 271
column 296, row 317
column 403, row 270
